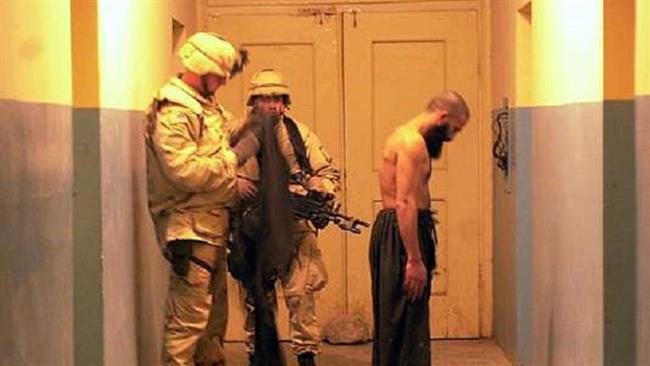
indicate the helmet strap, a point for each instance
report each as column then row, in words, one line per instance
column 204, row 85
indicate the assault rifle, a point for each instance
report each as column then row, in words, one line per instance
column 321, row 212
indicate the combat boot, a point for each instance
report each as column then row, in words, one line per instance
column 306, row 359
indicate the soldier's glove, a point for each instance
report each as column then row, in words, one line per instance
column 327, row 199
column 238, row 265
column 248, row 146
column 248, row 141
column 320, row 222
column 178, row 253
column 323, row 197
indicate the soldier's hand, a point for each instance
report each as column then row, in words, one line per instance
column 320, row 222
column 320, row 195
column 248, row 146
column 247, row 188
column 415, row 279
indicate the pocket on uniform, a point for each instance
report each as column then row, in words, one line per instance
column 316, row 273
column 210, row 224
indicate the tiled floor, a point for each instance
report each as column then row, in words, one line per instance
column 481, row 352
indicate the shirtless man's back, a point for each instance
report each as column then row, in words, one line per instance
column 405, row 143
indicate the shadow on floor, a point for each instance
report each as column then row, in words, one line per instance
column 483, row 352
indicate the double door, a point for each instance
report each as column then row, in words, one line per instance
column 354, row 76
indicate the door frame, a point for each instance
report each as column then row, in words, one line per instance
column 207, row 9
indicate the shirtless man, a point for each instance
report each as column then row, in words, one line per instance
column 402, row 245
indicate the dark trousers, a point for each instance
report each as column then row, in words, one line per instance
column 401, row 334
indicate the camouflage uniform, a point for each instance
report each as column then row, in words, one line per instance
column 307, row 273
column 191, row 184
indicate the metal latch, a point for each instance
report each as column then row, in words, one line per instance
column 319, row 13
column 354, row 12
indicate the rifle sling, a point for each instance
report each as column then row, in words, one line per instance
column 298, row 145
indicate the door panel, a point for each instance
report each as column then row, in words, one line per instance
column 306, row 52
column 394, row 63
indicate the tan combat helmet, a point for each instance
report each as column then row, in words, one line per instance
column 209, row 53
column 268, row 82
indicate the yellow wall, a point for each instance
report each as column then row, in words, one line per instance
column 136, row 56
column 567, row 51
column 135, row 50
column 511, row 52
column 642, row 69
column 502, row 50
column 569, row 61
column 523, row 69
column 85, row 74
column 618, row 49
column 35, row 61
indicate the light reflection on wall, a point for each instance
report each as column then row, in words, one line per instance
column 135, row 46
column 524, row 76
column 567, row 51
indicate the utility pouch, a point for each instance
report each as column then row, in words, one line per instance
column 178, row 253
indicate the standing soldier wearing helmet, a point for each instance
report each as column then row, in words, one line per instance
column 311, row 172
column 191, row 184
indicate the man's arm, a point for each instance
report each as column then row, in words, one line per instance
column 326, row 176
column 247, row 178
column 408, row 175
column 178, row 157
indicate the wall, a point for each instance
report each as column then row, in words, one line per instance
column 502, row 63
column 579, row 291
column 619, row 186
column 136, row 56
column 510, row 28
column 35, row 185
column 567, row 184
column 80, row 271
column 642, row 128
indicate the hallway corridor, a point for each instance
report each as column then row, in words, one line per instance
column 482, row 352
column 543, row 201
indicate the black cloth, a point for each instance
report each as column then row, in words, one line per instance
column 298, row 145
column 401, row 334
column 262, row 247
column 274, row 253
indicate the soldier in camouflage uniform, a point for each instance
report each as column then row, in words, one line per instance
column 311, row 169
column 191, row 173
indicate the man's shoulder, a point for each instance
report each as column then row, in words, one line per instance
column 227, row 115
column 406, row 141
column 301, row 126
column 173, row 95
column 175, row 113
column 406, row 138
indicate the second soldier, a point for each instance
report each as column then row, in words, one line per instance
column 311, row 172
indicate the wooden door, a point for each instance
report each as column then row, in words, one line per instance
column 394, row 62
column 306, row 52
column 384, row 67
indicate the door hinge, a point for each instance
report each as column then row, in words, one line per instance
column 319, row 13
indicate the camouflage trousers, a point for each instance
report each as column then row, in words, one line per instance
column 306, row 276
column 197, row 311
